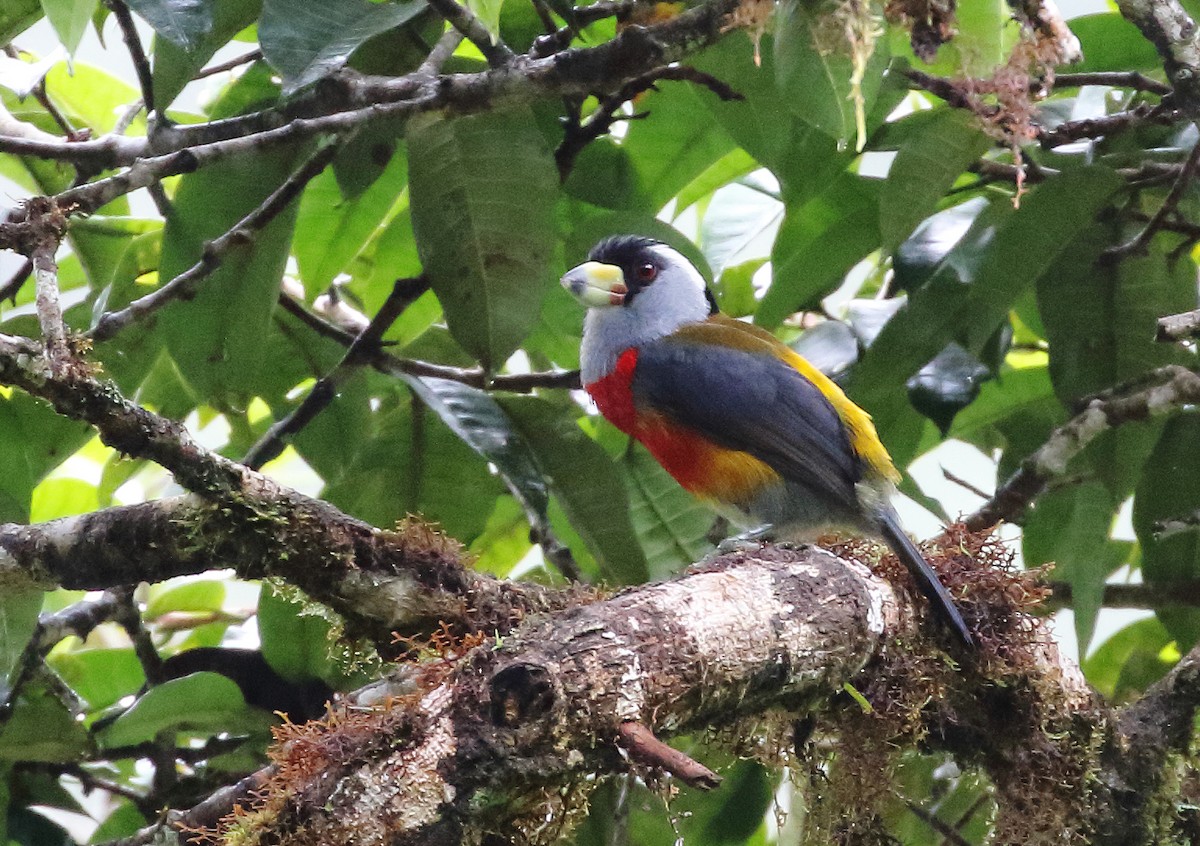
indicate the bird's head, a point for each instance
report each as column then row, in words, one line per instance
column 636, row 290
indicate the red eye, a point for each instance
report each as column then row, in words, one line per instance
column 646, row 272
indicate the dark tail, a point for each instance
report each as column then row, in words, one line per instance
column 927, row 580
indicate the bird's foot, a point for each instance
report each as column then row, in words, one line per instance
column 750, row 541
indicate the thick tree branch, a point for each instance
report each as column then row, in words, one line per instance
column 379, row 580
column 524, row 718
column 348, row 101
column 1179, row 327
column 1176, row 388
column 407, row 580
column 1168, row 26
column 531, row 721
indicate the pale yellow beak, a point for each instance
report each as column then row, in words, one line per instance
column 596, row 285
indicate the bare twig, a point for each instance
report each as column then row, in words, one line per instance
column 361, row 350
column 79, row 619
column 464, row 20
column 949, row 832
column 580, row 134
column 1140, row 242
column 1149, row 596
column 49, row 311
column 1002, row 172
column 214, row 252
column 10, row 289
column 137, row 52
column 440, row 53
column 385, row 362
column 560, row 39
column 1067, row 441
column 130, row 618
column 1115, row 79
column 950, row 476
column 645, row 748
column 1167, row 25
column 213, row 70
column 1078, row 130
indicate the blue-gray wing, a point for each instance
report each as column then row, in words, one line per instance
column 754, row 403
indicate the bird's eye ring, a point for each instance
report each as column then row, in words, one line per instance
column 646, row 272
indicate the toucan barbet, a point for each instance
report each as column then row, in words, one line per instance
column 731, row 412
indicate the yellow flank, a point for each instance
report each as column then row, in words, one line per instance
column 733, row 476
column 726, row 331
column 705, row 469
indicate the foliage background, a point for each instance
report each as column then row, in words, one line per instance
column 955, row 304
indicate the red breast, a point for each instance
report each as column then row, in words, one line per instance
column 699, row 465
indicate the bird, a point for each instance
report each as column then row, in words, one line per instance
column 731, row 412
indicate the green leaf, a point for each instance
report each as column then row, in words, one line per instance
column 815, row 65
column 205, row 703
column 191, row 596
column 740, row 224
column 330, row 230
column 1111, row 43
column 818, row 243
column 672, row 525
column 483, row 189
column 674, row 144
column 734, row 164
column 216, row 338
column 122, row 822
column 42, row 729
column 62, row 497
column 45, row 439
column 973, row 288
column 1023, row 395
column 1100, row 319
column 1131, row 660
column 16, row 16
column 803, row 157
column 410, row 463
column 70, row 19
column 18, row 617
column 946, row 385
column 1070, row 528
column 1169, row 489
column 176, row 64
column 101, row 676
column 295, row 644
column 305, row 41
column 585, row 481
column 924, row 169
column 488, row 12
column 183, row 22
column 504, row 541
column 479, row 420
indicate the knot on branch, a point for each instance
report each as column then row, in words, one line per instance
column 521, row 692
column 37, row 224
